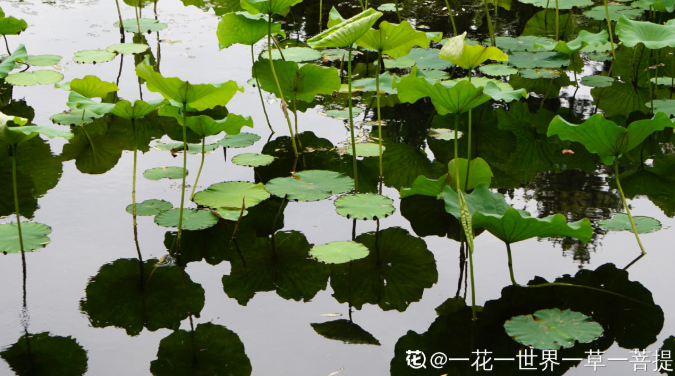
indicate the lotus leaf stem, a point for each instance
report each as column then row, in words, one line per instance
column 452, row 18
column 351, row 118
column 468, row 154
column 16, row 200
column 276, row 80
column 609, row 29
column 320, row 15
column 379, row 115
column 182, row 191
column 489, row 22
column 119, row 15
column 508, row 252
column 133, row 193
column 257, row 84
column 625, row 205
column 557, row 21
column 91, row 142
column 398, row 13
column 201, row 165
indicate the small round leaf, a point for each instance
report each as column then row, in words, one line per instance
column 240, row 140
column 620, row 222
column 150, row 207
column 158, row 173
column 310, row 185
column 192, row 219
column 41, row 77
column 551, row 329
column 252, row 159
column 93, row 56
column 128, row 48
column 364, row 206
column 339, row 252
column 34, row 237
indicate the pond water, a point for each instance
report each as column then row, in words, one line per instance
column 253, row 307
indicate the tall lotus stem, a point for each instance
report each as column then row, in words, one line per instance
column 625, row 205
column 201, row 165
column 557, row 20
column 609, row 29
column 16, row 201
column 182, row 191
column 379, row 116
column 489, row 22
column 119, row 15
column 276, row 80
column 351, row 118
column 508, row 251
column 257, row 83
column 398, row 13
column 133, row 192
column 452, row 18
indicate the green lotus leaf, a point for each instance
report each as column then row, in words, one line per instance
column 128, row 48
column 480, row 200
column 616, row 11
column 498, row 94
column 597, row 81
column 400, row 63
column 252, row 159
column 337, row 54
column 542, row 24
column 205, row 126
column 345, row 330
column 43, row 60
column 92, row 87
column 34, row 237
column 364, row 206
column 651, row 35
column 404, row 163
column 268, row 6
column 459, row 53
column 40, row 77
column 426, row 187
column 230, row 214
column 200, row 97
column 339, row 252
column 663, row 81
column 93, row 56
column 297, row 54
column 334, row 17
column 604, row 137
column 158, row 173
column 150, row 207
column 79, row 102
column 232, row 195
column 310, row 185
column 583, row 40
column 667, row 106
column 514, row 226
column 94, row 152
column 192, row 219
column 280, row 264
column 534, row 74
column 389, row 7
column 147, row 25
column 45, row 354
column 243, row 28
column 137, row 110
column 444, row 134
column 666, row 6
column 177, row 147
column 346, row 32
column 479, row 173
column 366, row 149
column 303, row 83
column 221, row 353
column 457, row 99
column 74, row 117
column 393, row 40
column 240, row 140
column 622, row 98
column 427, row 58
column 551, row 329
column 620, row 222
column 519, row 44
column 10, row 62
column 23, row 133
column 369, row 84
column 343, row 114
column 552, row 60
column 393, row 275
column 122, row 296
column 498, row 70
column 563, row 4
column 12, row 26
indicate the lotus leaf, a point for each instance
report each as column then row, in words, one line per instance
column 147, row 25
column 192, row 219
column 394, row 40
column 158, row 173
column 653, row 36
column 597, row 81
column 366, row 149
column 459, row 53
column 345, row 330
column 128, row 48
column 205, row 126
column 498, row 70
column 426, row 187
column 137, row 110
column 563, row 4
column 339, row 252
column 12, row 26
column 43, row 60
column 43, row 353
column 232, row 194
column 297, row 54
column 427, row 59
column 310, row 185
column 479, row 173
column 93, row 56
column 34, row 237
column 253, row 160
column 620, row 222
column 364, row 206
column 303, row 83
column 240, row 140
column 616, row 11
column 150, row 207
column 40, row 77
column 553, row 329
column 551, row 60
column 346, row 32
column 243, row 28
column 268, row 6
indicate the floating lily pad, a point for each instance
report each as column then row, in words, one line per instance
column 34, row 237
column 597, row 81
column 364, row 206
column 616, row 11
column 620, row 222
column 600, row 56
column 128, row 48
column 337, row 54
column 388, row 7
column 158, row 173
column 662, row 81
column 366, row 149
column 230, row 214
column 343, row 114
column 564, row 4
column 252, row 159
column 40, row 77
column 297, row 54
column 150, row 207
column 534, row 74
column 339, row 252
column 45, row 354
column 310, row 185
column 444, row 134
column 345, row 331
column 498, row 70
column 177, row 147
column 147, row 25
column 192, row 219
column 551, row 60
column 551, row 329
column 427, row 58
column 93, row 56
column 74, row 117
column 400, row 63
column 240, row 140
column 232, row 194
column 43, row 60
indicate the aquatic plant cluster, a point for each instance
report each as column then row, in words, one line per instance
column 494, row 125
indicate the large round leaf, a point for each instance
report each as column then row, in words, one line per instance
column 122, row 296
column 46, row 355
column 192, row 219
column 149, row 207
column 93, row 56
column 92, row 87
column 243, row 28
column 460, row 53
column 41, row 77
column 296, row 82
column 232, row 195
column 551, row 329
column 147, row 25
column 12, row 26
column 43, row 60
column 221, row 353
column 364, row 206
column 252, row 159
column 620, row 222
column 339, row 252
column 158, row 173
column 653, row 36
column 394, row 40
column 310, row 185
column 34, row 237
column 616, row 11
column 240, row 140
column 128, row 48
